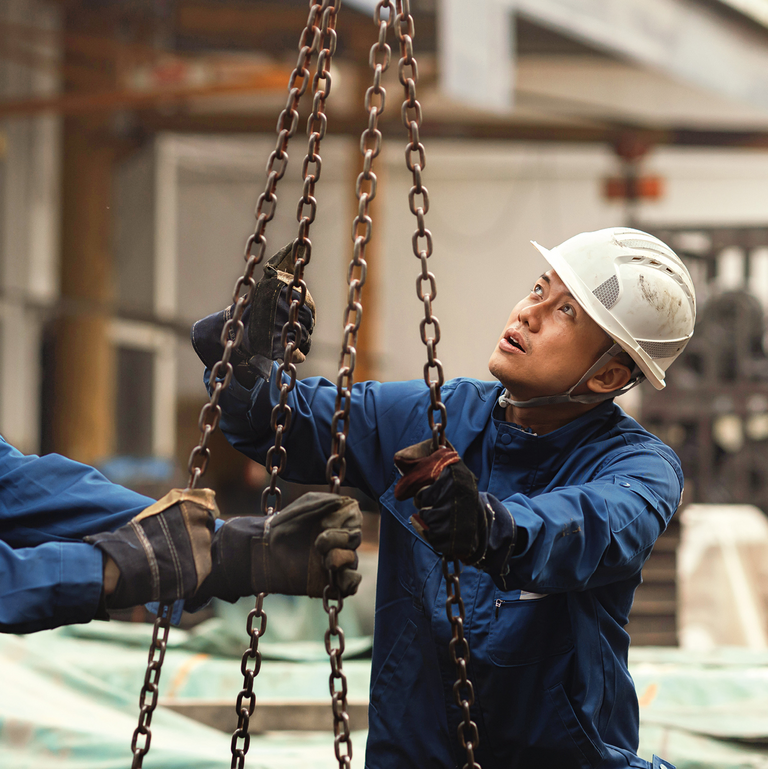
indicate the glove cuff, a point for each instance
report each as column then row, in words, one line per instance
column 231, row 549
column 499, row 538
column 260, row 575
column 163, row 554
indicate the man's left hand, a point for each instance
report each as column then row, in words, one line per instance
column 451, row 516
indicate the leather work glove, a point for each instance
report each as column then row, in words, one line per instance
column 290, row 552
column 164, row 553
column 263, row 319
column 453, row 517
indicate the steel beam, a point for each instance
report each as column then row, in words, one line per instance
column 685, row 40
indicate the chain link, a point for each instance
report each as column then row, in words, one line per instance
column 418, row 201
column 287, row 123
column 325, row 44
column 246, row 699
column 365, row 189
column 458, row 648
column 150, row 687
column 342, row 741
column 426, row 290
column 317, row 28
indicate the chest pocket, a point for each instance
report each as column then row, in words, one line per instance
column 526, row 628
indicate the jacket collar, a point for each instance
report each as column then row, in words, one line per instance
column 547, row 452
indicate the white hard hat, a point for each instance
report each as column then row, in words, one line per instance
column 635, row 288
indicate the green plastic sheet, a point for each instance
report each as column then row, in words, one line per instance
column 69, row 699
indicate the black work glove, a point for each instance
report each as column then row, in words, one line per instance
column 290, row 552
column 263, row 320
column 164, row 553
column 451, row 516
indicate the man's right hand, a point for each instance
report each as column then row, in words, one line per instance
column 263, row 319
column 290, row 552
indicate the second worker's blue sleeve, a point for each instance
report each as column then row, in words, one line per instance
column 48, row 576
column 56, row 583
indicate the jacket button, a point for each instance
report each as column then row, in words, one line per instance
column 506, row 438
column 624, row 484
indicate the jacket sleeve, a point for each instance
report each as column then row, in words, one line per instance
column 380, row 415
column 48, row 575
column 588, row 535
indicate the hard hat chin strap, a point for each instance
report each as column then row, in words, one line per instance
column 546, row 400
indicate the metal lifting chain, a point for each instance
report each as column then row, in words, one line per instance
column 250, row 665
column 150, row 686
column 301, row 253
column 365, row 188
column 415, row 160
column 210, row 415
column 319, row 36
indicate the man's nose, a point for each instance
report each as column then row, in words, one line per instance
column 530, row 316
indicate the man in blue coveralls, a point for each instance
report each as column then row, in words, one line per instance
column 549, row 493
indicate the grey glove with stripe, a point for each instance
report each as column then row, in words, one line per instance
column 291, row 552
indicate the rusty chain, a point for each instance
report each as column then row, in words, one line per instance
column 426, row 290
column 287, row 123
column 342, row 740
column 365, row 189
column 458, row 648
column 301, row 252
column 150, row 687
column 221, row 376
column 415, row 160
column 321, row 28
column 246, row 699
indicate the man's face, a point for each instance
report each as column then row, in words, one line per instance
column 548, row 344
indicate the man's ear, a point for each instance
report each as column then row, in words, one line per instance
column 612, row 376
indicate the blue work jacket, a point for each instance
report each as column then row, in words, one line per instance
column 48, row 575
column 548, row 645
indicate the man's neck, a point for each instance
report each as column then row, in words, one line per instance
column 546, row 419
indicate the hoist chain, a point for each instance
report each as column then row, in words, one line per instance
column 342, row 741
column 222, row 372
column 325, row 43
column 150, row 686
column 287, row 123
column 426, row 290
column 362, row 226
column 320, row 29
column 418, row 201
column 463, row 691
column 246, row 700
column 365, row 188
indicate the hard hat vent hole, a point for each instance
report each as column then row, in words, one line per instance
column 650, row 244
column 662, row 349
column 607, row 292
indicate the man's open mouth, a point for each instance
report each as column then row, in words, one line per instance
column 513, row 341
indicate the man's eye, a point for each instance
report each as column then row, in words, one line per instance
column 568, row 310
column 538, row 290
